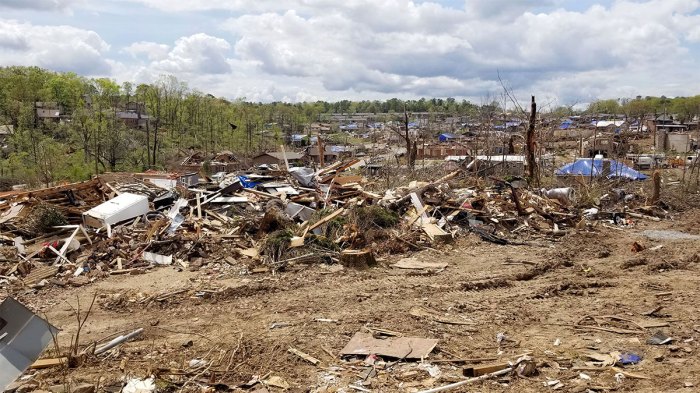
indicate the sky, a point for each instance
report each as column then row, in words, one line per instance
column 565, row 52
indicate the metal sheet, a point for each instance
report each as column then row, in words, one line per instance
column 23, row 337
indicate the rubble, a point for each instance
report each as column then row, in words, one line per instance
column 258, row 223
column 118, row 223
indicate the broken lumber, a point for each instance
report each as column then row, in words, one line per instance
column 326, row 219
column 304, row 356
column 47, row 363
column 468, row 381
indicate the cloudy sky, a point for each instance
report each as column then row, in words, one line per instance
column 566, row 51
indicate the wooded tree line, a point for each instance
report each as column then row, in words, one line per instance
column 91, row 139
column 683, row 109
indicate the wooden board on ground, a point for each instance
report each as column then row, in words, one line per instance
column 41, row 273
column 476, row 371
column 46, row 363
column 412, row 263
column 420, row 312
column 436, row 233
column 362, row 344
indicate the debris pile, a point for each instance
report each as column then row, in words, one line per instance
column 266, row 219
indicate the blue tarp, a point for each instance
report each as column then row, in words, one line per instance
column 246, row 182
column 582, row 167
column 446, row 137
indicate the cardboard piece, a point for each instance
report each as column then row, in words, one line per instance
column 393, row 347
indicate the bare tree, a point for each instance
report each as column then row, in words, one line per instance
column 411, row 146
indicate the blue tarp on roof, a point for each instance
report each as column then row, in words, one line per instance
column 446, row 137
column 582, row 167
column 564, row 126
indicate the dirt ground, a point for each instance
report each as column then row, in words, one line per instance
column 243, row 325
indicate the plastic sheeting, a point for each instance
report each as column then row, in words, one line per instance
column 305, row 176
column 246, row 182
column 584, row 167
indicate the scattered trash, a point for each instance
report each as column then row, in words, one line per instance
column 136, row 385
column 276, row 381
column 197, row 363
column 636, row 247
column 659, row 338
column 619, row 377
column 629, row 358
column 117, row 341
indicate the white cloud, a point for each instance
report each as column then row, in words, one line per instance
column 152, row 50
column 39, row 5
column 198, row 53
column 430, row 49
column 304, row 49
column 61, row 48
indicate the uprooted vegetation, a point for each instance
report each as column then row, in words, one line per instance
column 43, row 218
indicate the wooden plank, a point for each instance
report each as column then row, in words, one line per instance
column 419, row 208
column 435, row 232
column 304, row 356
column 476, row 371
column 47, row 363
column 284, row 154
column 41, row 273
column 199, row 206
column 418, row 215
column 326, row 219
column 345, row 180
column 259, row 193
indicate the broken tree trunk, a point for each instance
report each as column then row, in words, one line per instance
column 530, row 144
column 656, row 192
column 357, row 259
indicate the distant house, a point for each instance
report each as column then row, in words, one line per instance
column 446, row 137
column 169, row 180
column 133, row 119
column 331, row 153
column 224, row 161
column 671, row 135
column 5, row 132
column 440, row 151
column 277, row 158
column 48, row 112
column 302, row 140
